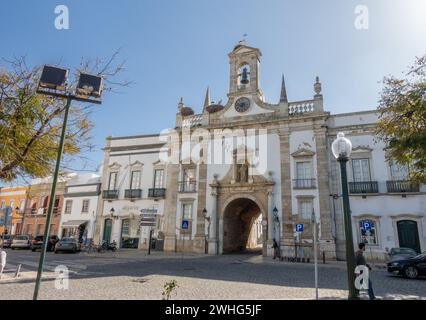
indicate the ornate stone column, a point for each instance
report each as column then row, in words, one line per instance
column 326, row 236
column 170, row 207
column 270, row 218
column 214, row 221
column 200, row 236
column 287, row 221
column 97, row 237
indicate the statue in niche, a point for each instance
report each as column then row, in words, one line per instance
column 242, row 172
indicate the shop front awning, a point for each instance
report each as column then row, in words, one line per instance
column 74, row 223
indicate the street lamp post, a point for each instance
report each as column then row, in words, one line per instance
column 342, row 148
column 53, row 82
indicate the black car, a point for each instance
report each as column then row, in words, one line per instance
column 38, row 242
column 401, row 253
column 409, row 267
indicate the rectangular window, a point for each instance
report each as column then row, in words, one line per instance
column 303, row 170
column 189, row 175
column 135, row 180
column 85, row 207
column 3, row 204
column 367, row 232
column 68, row 206
column 22, row 205
column 187, row 210
column 361, row 170
column 125, row 228
column 158, row 178
column 112, row 184
column 398, row 172
column 305, row 209
column 39, row 230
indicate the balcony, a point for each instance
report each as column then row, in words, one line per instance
column 157, row 193
column 364, row 187
column 304, row 184
column 110, row 194
column 402, row 186
column 187, row 186
column 133, row 193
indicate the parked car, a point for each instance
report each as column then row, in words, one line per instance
column 21, row 242
column 6, row 239
column 401, row 253
column 67, row 244
column 38, row 242
column 412, row 267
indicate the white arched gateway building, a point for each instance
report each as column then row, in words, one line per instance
column 240, row 174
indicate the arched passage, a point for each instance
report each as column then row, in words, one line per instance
column 242, row 227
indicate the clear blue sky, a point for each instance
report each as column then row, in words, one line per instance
column 178, row 48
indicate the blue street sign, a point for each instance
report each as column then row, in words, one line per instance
column 185, row 224
column 299, row 227
column 367, row 226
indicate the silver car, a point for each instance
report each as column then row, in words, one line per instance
column 21, row 242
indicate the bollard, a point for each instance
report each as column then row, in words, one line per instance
column 323, row 257
column 18, row 270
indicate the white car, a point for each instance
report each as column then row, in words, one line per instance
column 21, row 242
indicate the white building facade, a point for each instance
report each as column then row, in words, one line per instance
column 80, row 205
column 240, row 174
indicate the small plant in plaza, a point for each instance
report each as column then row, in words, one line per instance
column 169, row 288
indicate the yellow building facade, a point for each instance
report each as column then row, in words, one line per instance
column 12, row 201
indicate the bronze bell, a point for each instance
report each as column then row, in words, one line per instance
column 244, row 76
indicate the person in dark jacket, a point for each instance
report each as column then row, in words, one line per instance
column 360, row 261
column 276, row 249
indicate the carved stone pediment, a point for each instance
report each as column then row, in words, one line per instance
column 360, row 149
column 303, row 152
column 136, row 164
column 114, row 166
column 231, row 180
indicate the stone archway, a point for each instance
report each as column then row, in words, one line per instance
column 242, row 229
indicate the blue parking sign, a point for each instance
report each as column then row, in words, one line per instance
column 185, row 224
column 299, row 227
column 367, row 226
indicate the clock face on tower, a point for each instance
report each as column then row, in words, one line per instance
column 242, row 104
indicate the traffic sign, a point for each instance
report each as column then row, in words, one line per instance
column 185, row 224
column 299, row 227
column 367, row 225
column 148, row 220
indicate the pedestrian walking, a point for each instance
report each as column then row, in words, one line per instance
column 3, row 256
column 360, row 261
column 276, row 249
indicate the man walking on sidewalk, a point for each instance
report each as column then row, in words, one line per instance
column 360, row 261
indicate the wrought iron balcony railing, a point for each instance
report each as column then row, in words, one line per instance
column 156, row 193
column 187, row 186
column 110, row 194
column 133, row 193
column 397, row 186
column 304, row 184
column 364, row 187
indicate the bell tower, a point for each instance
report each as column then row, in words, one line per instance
column 244, row 64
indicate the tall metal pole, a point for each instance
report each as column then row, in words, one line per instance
column 51, row 200
column 314, row 220
column 350, row 252
column 27, row 199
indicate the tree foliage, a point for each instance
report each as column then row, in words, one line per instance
column 402, row 123
column 31, row 123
